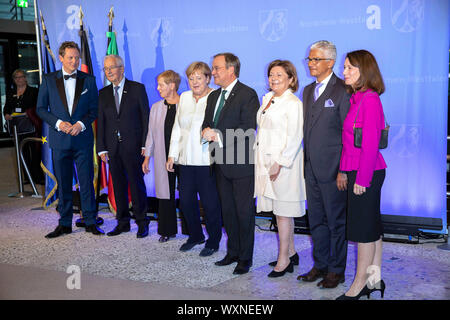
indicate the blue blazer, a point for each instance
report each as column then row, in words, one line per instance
column 52, row 106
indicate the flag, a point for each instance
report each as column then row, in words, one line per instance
column 112, row 44
column 105, row 174
column 51, row 185
column 86, row 66
column 85, row 56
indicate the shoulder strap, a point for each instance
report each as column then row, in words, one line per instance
column 382, row 109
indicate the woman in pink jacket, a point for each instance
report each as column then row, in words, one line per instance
column 365, row 170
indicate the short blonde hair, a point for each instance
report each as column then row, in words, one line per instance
column 170, row 76
column 199, row 66
column 17, row 71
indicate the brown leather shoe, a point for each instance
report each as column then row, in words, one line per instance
column 312, row 275
column 331, row 280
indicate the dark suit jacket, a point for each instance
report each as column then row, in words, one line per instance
column 131, row 122
column 52, row 106
column 238, row 112
column 323, row 128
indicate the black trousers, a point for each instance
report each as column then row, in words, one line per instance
column 327, row 221
column 167, row 211
column 238, row 213
column 199, row 180
column 126, row 169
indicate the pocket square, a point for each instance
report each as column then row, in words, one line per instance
column 328, row 103
column 84, row 91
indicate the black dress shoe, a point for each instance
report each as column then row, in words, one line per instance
column 118, row 230
column 59, row 231
column 94, row 230
column 142, row 231
column 294, row 259
column 189, row 245
column 276, row 274
column 81, row 224
column 226, row 261
column 207, row 252
column 242, row 267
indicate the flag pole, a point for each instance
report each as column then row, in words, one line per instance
column 38, row 40
column 81, row 16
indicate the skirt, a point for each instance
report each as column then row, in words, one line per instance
column 363, row 212
column 292, row 209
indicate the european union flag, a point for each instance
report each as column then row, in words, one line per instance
column 51, row 185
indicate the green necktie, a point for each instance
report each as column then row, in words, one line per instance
column 219, row 108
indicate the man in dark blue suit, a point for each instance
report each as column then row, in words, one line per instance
column 68, row 102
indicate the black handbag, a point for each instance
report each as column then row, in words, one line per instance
column 357, row 132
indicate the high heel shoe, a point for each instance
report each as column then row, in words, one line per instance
column 294, row 259
column 379, row 286
column 276, row 274
column 364, row 292
column 166, row 238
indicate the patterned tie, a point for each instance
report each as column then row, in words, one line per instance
column 116, row 98
column 219, row 108
column 316, row 90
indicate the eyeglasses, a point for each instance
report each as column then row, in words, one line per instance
column 110, row 68
column 316, row 60
column 217, row 68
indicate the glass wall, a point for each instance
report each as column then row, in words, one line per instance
column 16, row 52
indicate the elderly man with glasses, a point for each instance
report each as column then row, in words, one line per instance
column 325, row 106
column 123, row 112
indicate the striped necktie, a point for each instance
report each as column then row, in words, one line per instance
column 116, row 98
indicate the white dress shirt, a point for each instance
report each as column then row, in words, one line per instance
column 325, row 82
column 186, row 145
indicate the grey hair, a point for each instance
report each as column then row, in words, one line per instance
column 328, row 48
column 115, row 56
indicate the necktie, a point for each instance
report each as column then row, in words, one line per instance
column 316, row 90
column 219, row 108
column 68, row 76
column 116, row 97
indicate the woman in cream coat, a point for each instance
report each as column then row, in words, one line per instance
column 279, row 180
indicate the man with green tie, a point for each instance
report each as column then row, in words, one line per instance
column 229, row 117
